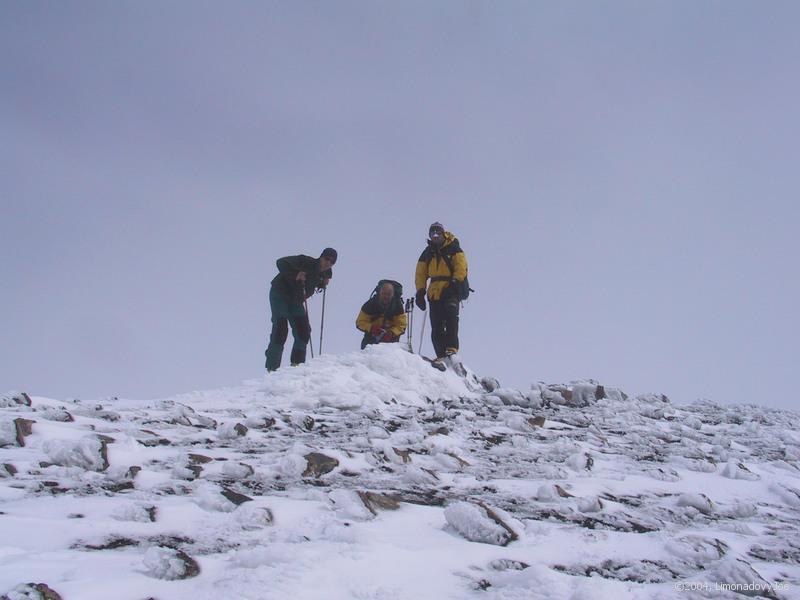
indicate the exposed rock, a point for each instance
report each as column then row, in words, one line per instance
column 199, row 459
column 235, row 497
column 319, row 464
column 374, row 501
column 405, row 455
column 24, row 428
column 8, row 470
column 537, row 421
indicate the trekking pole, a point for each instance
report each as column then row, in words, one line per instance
column 322, row 320
column 422, row 334
column 310, row 341
column 410, row 315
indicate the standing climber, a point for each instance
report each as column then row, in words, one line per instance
column 297, row 279
column 445, row 264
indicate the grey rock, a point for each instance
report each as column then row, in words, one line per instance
column 236, row 497
column 24, row 428
column 319, row 464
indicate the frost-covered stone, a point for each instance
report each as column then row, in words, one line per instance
column 478, row 524
column 15, row 399
column 135, row 512
column 698, row 549
column 170, row 564
column 349, row 504
column 236, row 470
column 734, row 470
column 699, row 501
column 252, row 517
column 56, row 414
column 88, row 453
column 489, row 384
column 231, row 431
column 32, row 591
column 292, row 465
column 211, row 497
column 739, row 576
column 590, row 504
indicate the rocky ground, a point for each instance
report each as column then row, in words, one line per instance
column 371, row 475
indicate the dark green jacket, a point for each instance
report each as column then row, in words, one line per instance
column 286, row 284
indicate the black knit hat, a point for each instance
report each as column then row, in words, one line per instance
column 436, row 227
column 330, row 253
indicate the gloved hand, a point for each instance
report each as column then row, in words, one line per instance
column 389, row 337
column 420, row 300
column 376, row 331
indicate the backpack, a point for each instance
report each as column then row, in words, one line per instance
column 397, row 299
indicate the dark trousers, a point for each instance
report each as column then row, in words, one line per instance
column 285, row 314
column 444, row 325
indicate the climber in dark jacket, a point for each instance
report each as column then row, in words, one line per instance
column 297, row 279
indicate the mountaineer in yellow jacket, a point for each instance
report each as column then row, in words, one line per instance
column 382, row 317
column 445, row 264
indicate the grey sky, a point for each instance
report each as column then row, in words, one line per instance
column 622, row 175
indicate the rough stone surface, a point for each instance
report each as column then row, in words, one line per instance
column 319, row 464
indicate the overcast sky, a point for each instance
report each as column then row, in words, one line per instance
column 623, row 177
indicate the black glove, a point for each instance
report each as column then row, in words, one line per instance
column 421, row 300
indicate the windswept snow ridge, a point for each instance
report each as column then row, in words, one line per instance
column 372, row 476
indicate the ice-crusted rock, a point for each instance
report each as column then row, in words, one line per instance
column 213, row 498
column 15, row 399
column 8, row 433
column 231, row 431
column 512, row 397
column 250, row 516
column 590, row 504
column 478, row 523
column 697, row 549
column 734, row 470
column 292, row 465
column 699, row 501
column 237, row 470
column 32, row 591
column 170, row 564
column 789, row 495
column 489, row 384
column 349, row 504
column 56, row 414
column 136, row 512
column 739, row 576
column 89, row 453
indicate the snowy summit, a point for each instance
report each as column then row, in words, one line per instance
column 371, row 475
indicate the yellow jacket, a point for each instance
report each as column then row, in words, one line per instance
column 432, row 265
column 392, row 319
